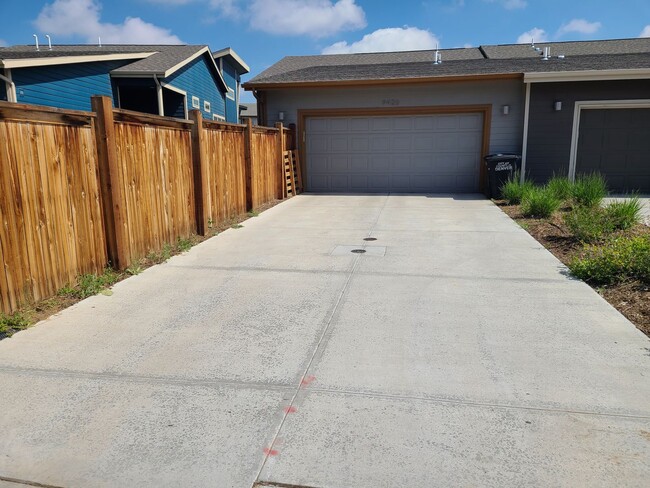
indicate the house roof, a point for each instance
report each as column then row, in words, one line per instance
column 513, row 59
column 248, row 109
column 149, row 60
column 241, row 67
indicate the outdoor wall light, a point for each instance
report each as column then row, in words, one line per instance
column 280, row 116
column 557, row 106
column 505, row 110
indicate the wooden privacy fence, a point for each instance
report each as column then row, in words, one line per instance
column 80, row 190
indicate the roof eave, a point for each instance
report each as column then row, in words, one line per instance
column 56, row 60
column 249, row 86
column 587, row 75
column 244, row 68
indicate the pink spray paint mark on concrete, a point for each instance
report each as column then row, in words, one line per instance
column 290, row 409
column 307, row 380
column 270, row 452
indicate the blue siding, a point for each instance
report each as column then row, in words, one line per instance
column 197, row 80
column 231, row 78
column 68, row 86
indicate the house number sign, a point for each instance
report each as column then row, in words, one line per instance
column 390, row 101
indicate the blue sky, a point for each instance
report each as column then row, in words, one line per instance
column 263, row 31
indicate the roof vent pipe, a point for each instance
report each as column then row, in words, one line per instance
column 36, row 39
column 49, row 42
column 99, row 41
column 547, row 54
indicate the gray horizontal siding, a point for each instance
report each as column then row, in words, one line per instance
column 506, row 130
column 549, row 132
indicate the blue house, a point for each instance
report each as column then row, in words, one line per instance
column 232, row 67
column 166, row 80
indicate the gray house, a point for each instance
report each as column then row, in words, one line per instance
column 403, row 122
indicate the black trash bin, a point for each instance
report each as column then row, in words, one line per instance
column 500, row 168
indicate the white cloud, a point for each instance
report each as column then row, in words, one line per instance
column 69, row 18
column 510, row 4
column 645, row 32
column 314, row 18
column 581, row 26
column 171, row 2
column 539, row 35
column 228, row 8
column 391, row 39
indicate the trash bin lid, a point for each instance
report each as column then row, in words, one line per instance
column 502, row 157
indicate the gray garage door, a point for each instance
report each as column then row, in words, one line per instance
column 616, row 143
column 411, row 154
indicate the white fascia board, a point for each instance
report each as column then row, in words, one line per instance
column 201, row 52
column 590, row 75
column 173, row 88
column 229, row 52
column 32, row 62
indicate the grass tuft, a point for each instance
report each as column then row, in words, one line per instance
column 624, row 214
column 539, row 203
column 589, row 190
column 513, row 190
column 561, row 188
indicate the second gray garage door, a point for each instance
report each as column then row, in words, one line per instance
column 406, row 154
column 616, row 143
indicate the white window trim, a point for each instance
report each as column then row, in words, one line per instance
column 220, row 118
column 207, row 106
column 594, row 105
column 231, row 94
column 196, row 102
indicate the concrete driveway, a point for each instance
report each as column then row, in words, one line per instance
column 454, row 352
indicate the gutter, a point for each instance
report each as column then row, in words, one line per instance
column 11, row 87
column 161, row 103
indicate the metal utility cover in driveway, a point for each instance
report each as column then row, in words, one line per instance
column 405, row 153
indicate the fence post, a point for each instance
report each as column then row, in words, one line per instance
column 113, row 206
column 282, row 183
column 248, row 166
column 199, row 171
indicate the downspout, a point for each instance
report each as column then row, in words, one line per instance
column 11, row 87
column 524, row 149
column 161, row 103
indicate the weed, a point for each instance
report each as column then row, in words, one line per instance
column 184, row 245
column 539, row 202
column 210, row 223
column 560, row 187
column 588, row 224
column 12, row 323
column 253, row 213
column 236, row 226
column 589, row 190
column 91, row 284
column 135, row 269
column 624, row 214
column 620, row 259
column 66, row 291
column 166, row 252
column 514, row 190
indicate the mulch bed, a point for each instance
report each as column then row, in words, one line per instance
column 631, row 298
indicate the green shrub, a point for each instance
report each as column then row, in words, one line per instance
column 589, row 190
column 539, row 203
column 588, row 224
column 560, row 187
column 624, row 214
column 514, row 190
column 620, row 259
column 11, row 323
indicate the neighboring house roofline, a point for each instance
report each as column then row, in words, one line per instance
column 51, row 61
column 385, row 81
column 125, row 73
column 591, row 75
column 243, row 67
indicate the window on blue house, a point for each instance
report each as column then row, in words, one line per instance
column 196, row 103
column 206, row 106
column 231, row 93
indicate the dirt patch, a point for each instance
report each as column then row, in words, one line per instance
column 631, row 298
column 35, row 312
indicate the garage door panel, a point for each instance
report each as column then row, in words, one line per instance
column 359, row 144
column 317, row 125
column 359, row 163
column 616, row 143
column 400, row 143
column 424, row 153
column 359, row 124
